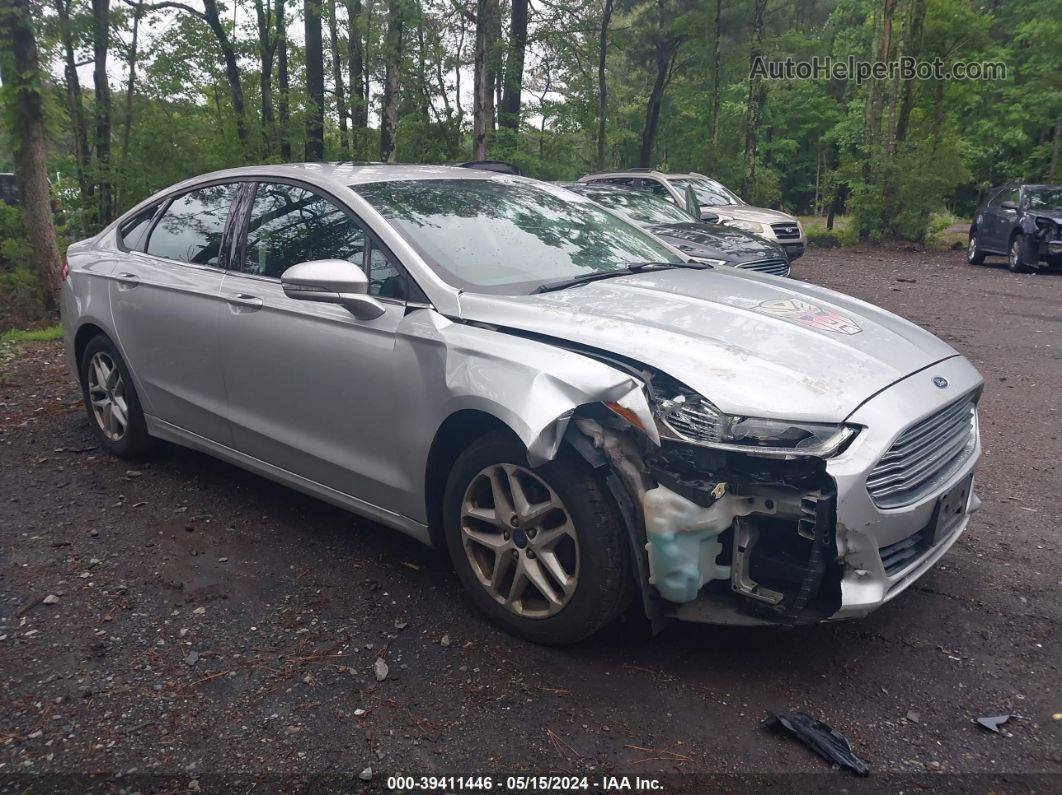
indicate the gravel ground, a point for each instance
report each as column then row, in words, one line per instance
column 213, row 630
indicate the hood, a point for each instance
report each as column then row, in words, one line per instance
column 1053, row 213
column 754, row 345
column 746, row 213
column 717, row 241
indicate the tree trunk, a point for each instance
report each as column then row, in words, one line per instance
column 267, row 47
column 212, row 15
column 509, row 113
column 283, row 86
column 75, row 104
column 914, row 49
column 485, row 75
column 602, row 85
column 337, row 71
column 664, row 56
column 392, row 70
column 314, row 81
column 717, row 98
column 756, row 98
column 130, row 88
column 359, row 117
column 22, row 78
column 1054, row 150
column 101, row 31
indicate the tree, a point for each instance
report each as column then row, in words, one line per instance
column 757, row 95
column 602, row 85
column 23, row 103
column 393, row 68
column 283, row 87
column 359, row 117
column 101, row 33
column 509, row 112
column 488, row 33
column 314, row 81
column 75, row 102
column 270, row 26
column 337, row 73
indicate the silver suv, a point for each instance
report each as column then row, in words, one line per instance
column 718, row 204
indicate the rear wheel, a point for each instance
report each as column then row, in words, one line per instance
column 1016, row 256
column 111, row 401
column 974, row 254
column 541, row 550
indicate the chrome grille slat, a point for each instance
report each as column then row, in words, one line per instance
column 924, row 455
column 776, row 267
column 786, row 231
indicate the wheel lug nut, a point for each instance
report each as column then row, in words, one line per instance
column 515, row 521
column 531, row 554
column 505, row 536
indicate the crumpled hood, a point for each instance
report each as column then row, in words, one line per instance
column 754, row 345
column 1055, row 214
column 717, row 241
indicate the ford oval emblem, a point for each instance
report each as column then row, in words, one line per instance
column 940, row 382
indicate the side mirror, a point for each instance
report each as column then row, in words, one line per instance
column 711, row 218
column 1009, row 205
column 693, row 205
column 332, row 281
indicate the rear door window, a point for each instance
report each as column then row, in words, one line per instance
column 193, row 227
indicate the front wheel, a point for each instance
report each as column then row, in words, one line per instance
column 111, row 400
column 1016, row 257
column 974, row 255
column 541, row 550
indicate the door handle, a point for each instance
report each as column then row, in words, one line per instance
column 244, row 301
column 127, row 281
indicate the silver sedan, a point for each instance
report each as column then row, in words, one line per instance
column 581, row 416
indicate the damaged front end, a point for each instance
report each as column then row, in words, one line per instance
column 733, row 521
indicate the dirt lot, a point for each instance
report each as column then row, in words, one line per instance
column 214, row 630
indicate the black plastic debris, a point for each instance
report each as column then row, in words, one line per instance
column 993, row 723
column 824, row 740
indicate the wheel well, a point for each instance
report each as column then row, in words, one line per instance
column 456, row 433
column 82, row 338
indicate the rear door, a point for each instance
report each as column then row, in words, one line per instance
column 310, row 386
column 165, row 298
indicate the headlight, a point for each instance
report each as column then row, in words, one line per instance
column 748, row 226
column 715, row 263
column 690, row 418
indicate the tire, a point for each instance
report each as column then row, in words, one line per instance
column 585, row 536
column 102, row 392
column 1016, row 254
column 974, row 255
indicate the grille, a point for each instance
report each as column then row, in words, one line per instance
column 786, row 231
column 695, row 420
column 924, row 455
column 779, row 267
column 895, row 557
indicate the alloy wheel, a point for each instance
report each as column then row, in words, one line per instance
column 973, row 248
column 1015, row 254
column 520, row 541
column 106, row 391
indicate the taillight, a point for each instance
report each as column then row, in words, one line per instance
column 64, row 270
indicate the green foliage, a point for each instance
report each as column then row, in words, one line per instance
column 49, row 334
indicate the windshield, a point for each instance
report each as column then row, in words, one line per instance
column 708, row 192
column 639, row 206
column 502, row 236
column 1045, row 198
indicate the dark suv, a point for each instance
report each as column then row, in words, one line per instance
column 1022, row 223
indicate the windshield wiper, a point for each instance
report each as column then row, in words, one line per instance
column 635, row 267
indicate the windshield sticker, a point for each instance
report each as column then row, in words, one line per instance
column 808, row 315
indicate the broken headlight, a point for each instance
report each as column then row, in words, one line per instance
column 690, row 418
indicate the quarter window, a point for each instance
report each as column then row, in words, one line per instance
column 192, row 228
column 132, row 231
column 289, row 225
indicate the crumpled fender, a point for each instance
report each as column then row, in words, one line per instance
column 531, row 386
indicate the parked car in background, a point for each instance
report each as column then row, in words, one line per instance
column 1021, row 222
column 9, row 192
column 717, row 203
column 501, row 367
column 714, row 244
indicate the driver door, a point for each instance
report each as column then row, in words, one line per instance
column 310, row 386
